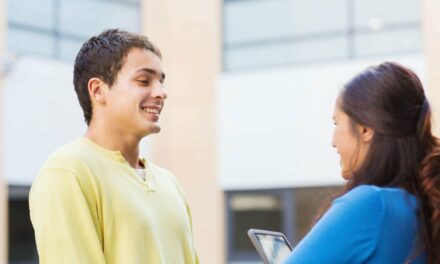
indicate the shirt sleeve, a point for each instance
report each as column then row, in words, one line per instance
column 65, row 220
column 196, row 255
column 347, row 233
column 182, row 194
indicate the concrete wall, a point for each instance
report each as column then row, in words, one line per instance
column 3, row 189
column 188, row 33
column 275, row 125
column 40, row 113
column 431, row 37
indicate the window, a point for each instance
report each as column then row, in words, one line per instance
column 290, row 211
column 57, row 28
column 259, row 33
column 261, row 210
column 22, row 248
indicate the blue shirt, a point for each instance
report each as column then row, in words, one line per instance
column 368, row 224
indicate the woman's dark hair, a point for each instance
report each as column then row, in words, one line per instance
column 390, row 99
column 103, row 56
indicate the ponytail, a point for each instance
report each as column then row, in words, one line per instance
column 429, row 185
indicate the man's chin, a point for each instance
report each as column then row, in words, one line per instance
column 152, row 129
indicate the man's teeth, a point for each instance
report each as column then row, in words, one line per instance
column 150, row 110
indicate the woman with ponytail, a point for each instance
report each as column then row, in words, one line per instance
column 389, row 211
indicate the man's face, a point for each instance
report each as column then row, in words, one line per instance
column 134, row 103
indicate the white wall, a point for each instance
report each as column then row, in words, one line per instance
column 275, row 125
column 40, row 113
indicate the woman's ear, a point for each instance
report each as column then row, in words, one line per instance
column 97, row 90
column 366, row 133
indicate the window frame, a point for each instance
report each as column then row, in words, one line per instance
column 55, row 33
column 351, row 34
column 20, row 193
column 287, row 223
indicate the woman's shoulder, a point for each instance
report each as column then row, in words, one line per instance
column 362, row 193
column 361, row 201
column 375, row 198
column 372, row 192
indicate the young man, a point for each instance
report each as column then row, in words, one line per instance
column 95, row 201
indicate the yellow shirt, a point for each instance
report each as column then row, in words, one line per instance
column 89, row 206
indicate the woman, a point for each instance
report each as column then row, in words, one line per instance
column 390, row 210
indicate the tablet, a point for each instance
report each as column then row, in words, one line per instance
column 273, row 247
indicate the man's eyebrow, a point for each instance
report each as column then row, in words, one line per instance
column 154, row 72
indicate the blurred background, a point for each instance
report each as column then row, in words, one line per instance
column 247, row 126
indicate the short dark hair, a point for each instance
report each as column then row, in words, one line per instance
column 102, row 56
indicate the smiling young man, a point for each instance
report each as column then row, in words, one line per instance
column 95, row 200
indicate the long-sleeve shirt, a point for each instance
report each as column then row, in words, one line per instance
column 368, row 224
column 88, row 205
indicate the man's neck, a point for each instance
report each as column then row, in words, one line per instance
column 109, row 139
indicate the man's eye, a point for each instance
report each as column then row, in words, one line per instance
column 144, row 82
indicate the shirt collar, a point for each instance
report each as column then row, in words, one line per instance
column 112, row 154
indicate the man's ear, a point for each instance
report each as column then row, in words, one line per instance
column 366, row 133
column 97, row 90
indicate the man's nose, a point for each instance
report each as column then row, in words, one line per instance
column 159, row 91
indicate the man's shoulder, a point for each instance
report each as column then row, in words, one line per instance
column 64, row 166
column 165, row 174
column 68, row 156
column 161, row 172
column 158, row 169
